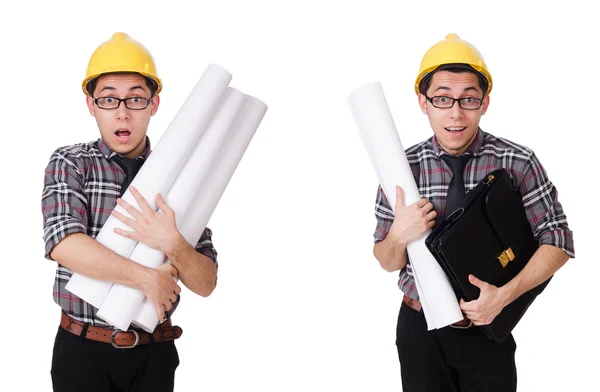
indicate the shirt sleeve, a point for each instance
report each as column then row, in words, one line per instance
column 544, row 212
column 384, row 215
column 205, row 246
column 64, row 204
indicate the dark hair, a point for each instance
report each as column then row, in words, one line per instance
column 91, row 86
column 454, row 68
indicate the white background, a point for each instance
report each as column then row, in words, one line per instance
column 301, row 302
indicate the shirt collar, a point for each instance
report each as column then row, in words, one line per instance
column 108, row 153
column 472, row 150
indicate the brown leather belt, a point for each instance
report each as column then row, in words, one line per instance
column 121, row 339
column 416, row 305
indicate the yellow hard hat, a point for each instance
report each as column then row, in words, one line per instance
column 121, row 54
column 453, row 50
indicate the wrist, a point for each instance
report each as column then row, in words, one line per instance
column 506, row 295
column 142, row 277
column 398, row 243
column 173, row 245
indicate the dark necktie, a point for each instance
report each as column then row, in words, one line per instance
column 456, row 189
column 130, row 167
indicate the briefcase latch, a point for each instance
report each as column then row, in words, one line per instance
column 506, row 257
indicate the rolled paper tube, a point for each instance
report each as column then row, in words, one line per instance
column 122, row 303
column 210, row 193
column 159, row 171
column 384, row 148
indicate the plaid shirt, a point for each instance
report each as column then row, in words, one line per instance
column 81, row 186
column 432, row 175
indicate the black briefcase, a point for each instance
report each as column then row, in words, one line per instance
column 489, row 236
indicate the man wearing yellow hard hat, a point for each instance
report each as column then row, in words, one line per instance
column 82, row 185
column 453, row 88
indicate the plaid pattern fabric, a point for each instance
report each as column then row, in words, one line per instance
column 432, row 175
column 82, row 183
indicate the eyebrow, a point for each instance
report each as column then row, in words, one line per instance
column 470, row 88
column 131, row 89
column 137, row 87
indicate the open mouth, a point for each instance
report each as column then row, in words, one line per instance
column 122, row 135
column 455, row 129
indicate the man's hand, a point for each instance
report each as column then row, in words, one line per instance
column 156, row 229
column 490, row 303
column 410, row 222
column 161, row 289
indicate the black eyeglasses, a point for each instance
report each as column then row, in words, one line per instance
column 133, row 103
column 468, row 103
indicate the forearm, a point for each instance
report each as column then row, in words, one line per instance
column 391, row 256
column 543, row 264
column 196, row 271
column 86, row 256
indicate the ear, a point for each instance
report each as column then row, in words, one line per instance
column 486, row 103
column 423, row 103
column 155, row 103
column 90, row 104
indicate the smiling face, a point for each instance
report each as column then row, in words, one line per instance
column 123, row 130
column 454, row 128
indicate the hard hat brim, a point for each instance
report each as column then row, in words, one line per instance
column 428, row 73
column 157, row 82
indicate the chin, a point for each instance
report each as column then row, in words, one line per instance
column 120, row 148
column 124, row 149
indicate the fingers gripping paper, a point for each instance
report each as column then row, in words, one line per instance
column 210, row 193
column 380, row 138
column 122, row 303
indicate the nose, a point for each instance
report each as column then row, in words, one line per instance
column 456, row 111
column 122, row 112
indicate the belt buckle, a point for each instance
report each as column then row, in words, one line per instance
column 115, row 345
column 462, row 326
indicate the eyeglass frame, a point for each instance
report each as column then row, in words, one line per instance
column 148, row 100
column 430, row 99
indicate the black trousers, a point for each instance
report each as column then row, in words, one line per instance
column 85, row 365
column 450, row 359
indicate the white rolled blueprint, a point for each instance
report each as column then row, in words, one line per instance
column 159, row 171
column 122, row 303
column 384, row 148
column 210, row 193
